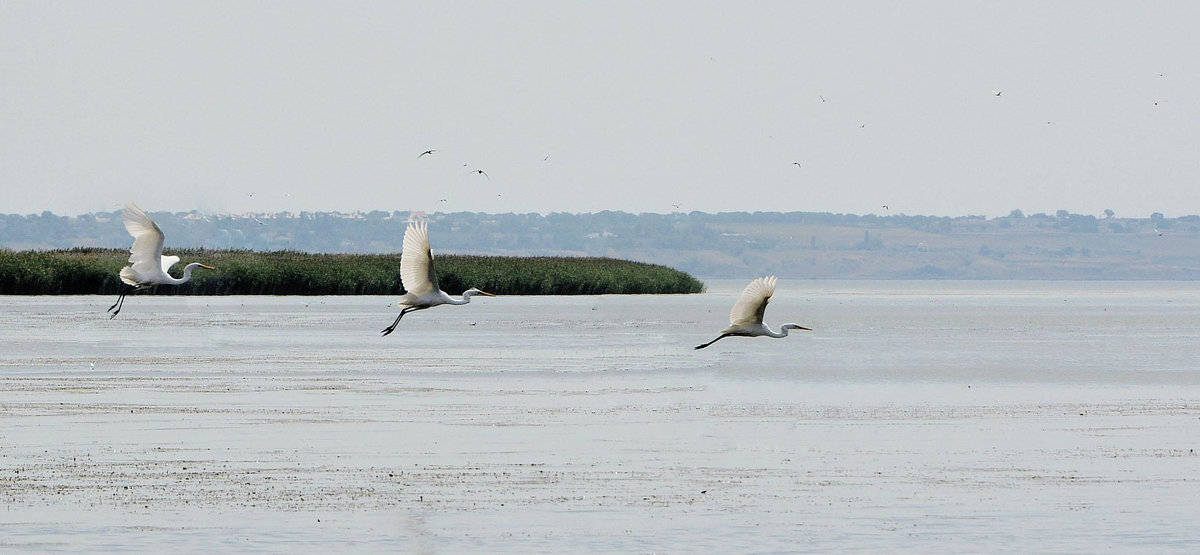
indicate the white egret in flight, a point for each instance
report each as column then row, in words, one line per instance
column 416, row 273
column 147, row 265
column 746, row 318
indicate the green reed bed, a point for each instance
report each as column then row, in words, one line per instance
column 88, row 271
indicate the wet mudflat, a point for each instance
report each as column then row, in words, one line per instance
column 916, row 416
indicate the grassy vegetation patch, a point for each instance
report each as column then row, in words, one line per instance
column 89, row 271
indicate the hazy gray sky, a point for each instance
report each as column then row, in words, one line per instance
column 569, row 106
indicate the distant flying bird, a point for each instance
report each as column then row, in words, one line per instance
column 481, row 172
column 821, row 97
column 797, row 164
column 260, row 222
column 885, row 207
column 430, row 151
column 746, row 318
column 997, row 93
column 147, row 265
column 1160, row 234
column 416, row 273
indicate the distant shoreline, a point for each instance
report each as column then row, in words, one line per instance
column 735, row 245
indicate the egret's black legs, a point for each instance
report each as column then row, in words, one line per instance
column 120, row 298
column 406, row 310
column 117, row 305
column 392, row 327
column 719, row 337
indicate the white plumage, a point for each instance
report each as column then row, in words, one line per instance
column 417, row 275
column 416, row 265
column 147, row 265
column 746, row 317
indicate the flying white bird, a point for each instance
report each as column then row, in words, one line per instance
column 746, row 318
column 147, row 265
column 416, row 273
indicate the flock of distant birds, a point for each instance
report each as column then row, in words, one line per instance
column 479, row 171
column 547, row 157
column 148, row 268
column 431, row 151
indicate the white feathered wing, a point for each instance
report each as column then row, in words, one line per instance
column 416, row 262
column 146, row 261
column 749, row 308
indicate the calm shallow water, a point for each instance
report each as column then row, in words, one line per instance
column 917, row 415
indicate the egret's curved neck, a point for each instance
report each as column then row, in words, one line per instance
column 466, row 297
column 783, row 330
column 187, row 273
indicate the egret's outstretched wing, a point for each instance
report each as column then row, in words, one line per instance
column 145, row 257
column 750, row 307
column 416, row 262
column 168, row 261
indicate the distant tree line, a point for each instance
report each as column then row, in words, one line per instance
column 1059, row 245
column 593, row 233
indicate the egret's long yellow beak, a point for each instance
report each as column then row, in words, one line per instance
column 486, row 294
column 207, row 267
